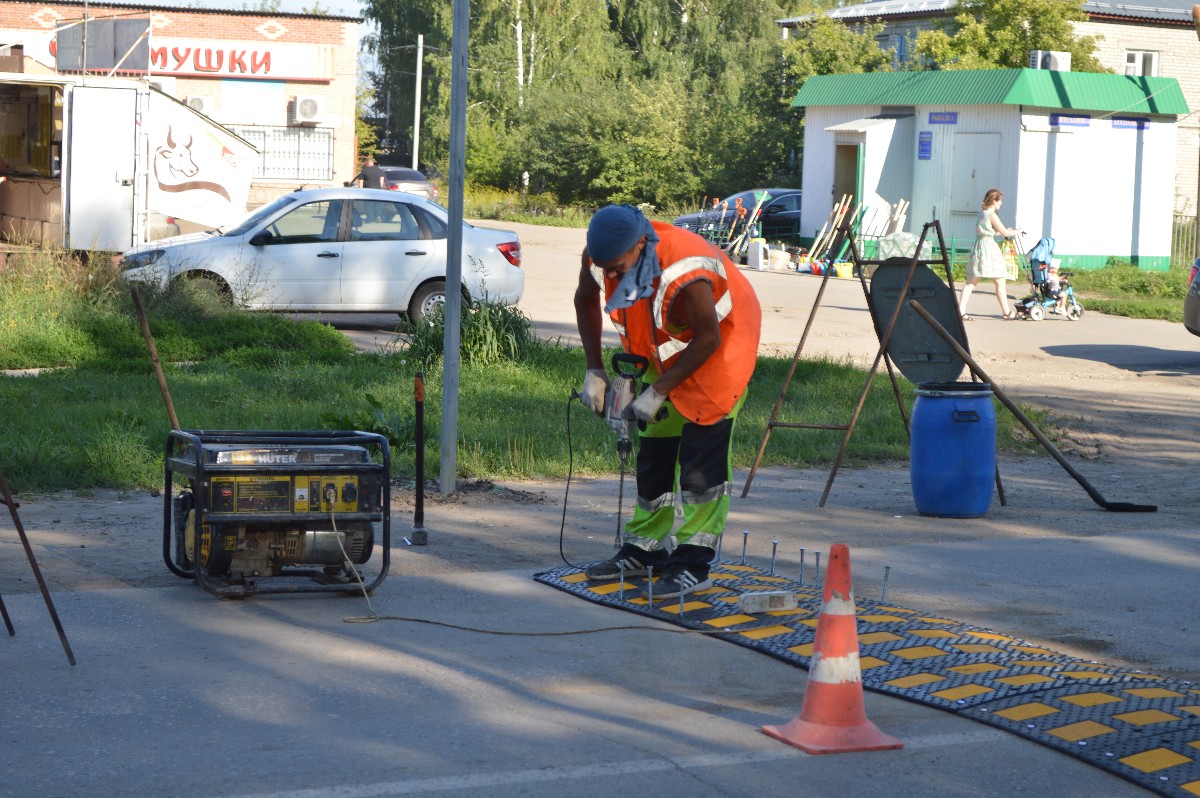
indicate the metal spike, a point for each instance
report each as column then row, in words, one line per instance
column 621, row 576
column 774, row 546
column 745, row 540
column 887, row 570
column 801, row 566
column 817, row 581
column 650, row 584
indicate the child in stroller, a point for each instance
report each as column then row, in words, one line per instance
column 1051, row 290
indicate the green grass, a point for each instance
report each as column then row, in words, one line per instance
column 101, row 427
column 1122, row 289
column 1119, row 289
column 483, row 202
column 96, row 417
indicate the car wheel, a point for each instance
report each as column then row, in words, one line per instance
column 1037, row 312
column 208, row 287
column 428, row 300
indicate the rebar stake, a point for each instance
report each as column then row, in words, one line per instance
column 650, row 584
column 419, row 535
column 621, row 576
column 817, row 580
column 774, row 546
column 681, row 593
column 801, row 566
column 887, row 570
column 745, row 539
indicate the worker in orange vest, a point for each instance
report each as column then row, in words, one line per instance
column 679, row 302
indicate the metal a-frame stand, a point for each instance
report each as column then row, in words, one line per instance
column 884, row 335
column 37, row 573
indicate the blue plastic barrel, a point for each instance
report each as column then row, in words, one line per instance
column 953, row 449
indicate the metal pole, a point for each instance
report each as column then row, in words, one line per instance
column 450, row 354
column 420, row 536
column 37, row 572
column 417, row 100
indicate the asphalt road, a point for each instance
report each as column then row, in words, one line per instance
column 177, row 693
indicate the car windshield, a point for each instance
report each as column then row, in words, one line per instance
column 261, row 213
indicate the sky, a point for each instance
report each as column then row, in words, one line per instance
column 340, row 8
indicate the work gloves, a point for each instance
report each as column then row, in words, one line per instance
column 595, row 385
column 646, row 406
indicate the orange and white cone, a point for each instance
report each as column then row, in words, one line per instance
column 833, row 720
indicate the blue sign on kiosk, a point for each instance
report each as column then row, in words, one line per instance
column 925, row 146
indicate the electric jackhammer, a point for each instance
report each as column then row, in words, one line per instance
column 628, row 371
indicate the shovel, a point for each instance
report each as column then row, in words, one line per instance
column 1116, row 507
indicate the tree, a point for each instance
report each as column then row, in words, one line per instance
column 658, row 101
column 365, row 135
column 992, row 34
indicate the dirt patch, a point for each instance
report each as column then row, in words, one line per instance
column 473, row 492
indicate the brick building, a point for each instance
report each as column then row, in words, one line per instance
column 1152, row 40
column 286, row 83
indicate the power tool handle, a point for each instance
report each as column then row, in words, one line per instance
column 659, row 416
column 636, row 365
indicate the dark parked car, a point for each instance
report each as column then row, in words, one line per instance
column 1191, row 303
column 779, row 218
column 398, row 178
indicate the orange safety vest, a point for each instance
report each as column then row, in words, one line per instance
column 709, row 393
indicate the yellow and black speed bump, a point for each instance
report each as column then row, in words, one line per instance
column 1135, row 725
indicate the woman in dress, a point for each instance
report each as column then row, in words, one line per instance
column 986, row 262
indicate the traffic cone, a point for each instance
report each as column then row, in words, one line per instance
column 833, row 720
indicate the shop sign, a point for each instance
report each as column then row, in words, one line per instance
column 1130, row 122
column 241, row 59
column 1070, row 120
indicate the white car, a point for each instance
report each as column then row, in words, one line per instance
column 338, row 249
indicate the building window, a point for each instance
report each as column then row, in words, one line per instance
column 1140, row 63
column 290, row 153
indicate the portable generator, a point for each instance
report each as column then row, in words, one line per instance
column 300, row 508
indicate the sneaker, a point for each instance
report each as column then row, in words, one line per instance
column 630, row 558
column 680, row 583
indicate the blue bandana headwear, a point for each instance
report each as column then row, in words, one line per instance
column 613, row 231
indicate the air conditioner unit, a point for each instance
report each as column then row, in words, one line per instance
column 308, row 110
column 201, row 103
column 163, row 83
column 1050, row 59
column 1060, row 62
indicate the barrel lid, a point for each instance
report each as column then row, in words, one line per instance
column 918, row 352
column 958, row 389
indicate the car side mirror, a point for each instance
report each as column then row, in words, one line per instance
column 261, row 238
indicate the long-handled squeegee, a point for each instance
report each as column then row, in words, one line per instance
column 1116, row 507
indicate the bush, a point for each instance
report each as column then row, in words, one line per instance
column 488, row 334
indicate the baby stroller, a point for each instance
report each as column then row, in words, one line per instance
column 1040, row 301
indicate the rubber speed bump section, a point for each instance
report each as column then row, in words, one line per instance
column 1147, row 731
column 1135, row 725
